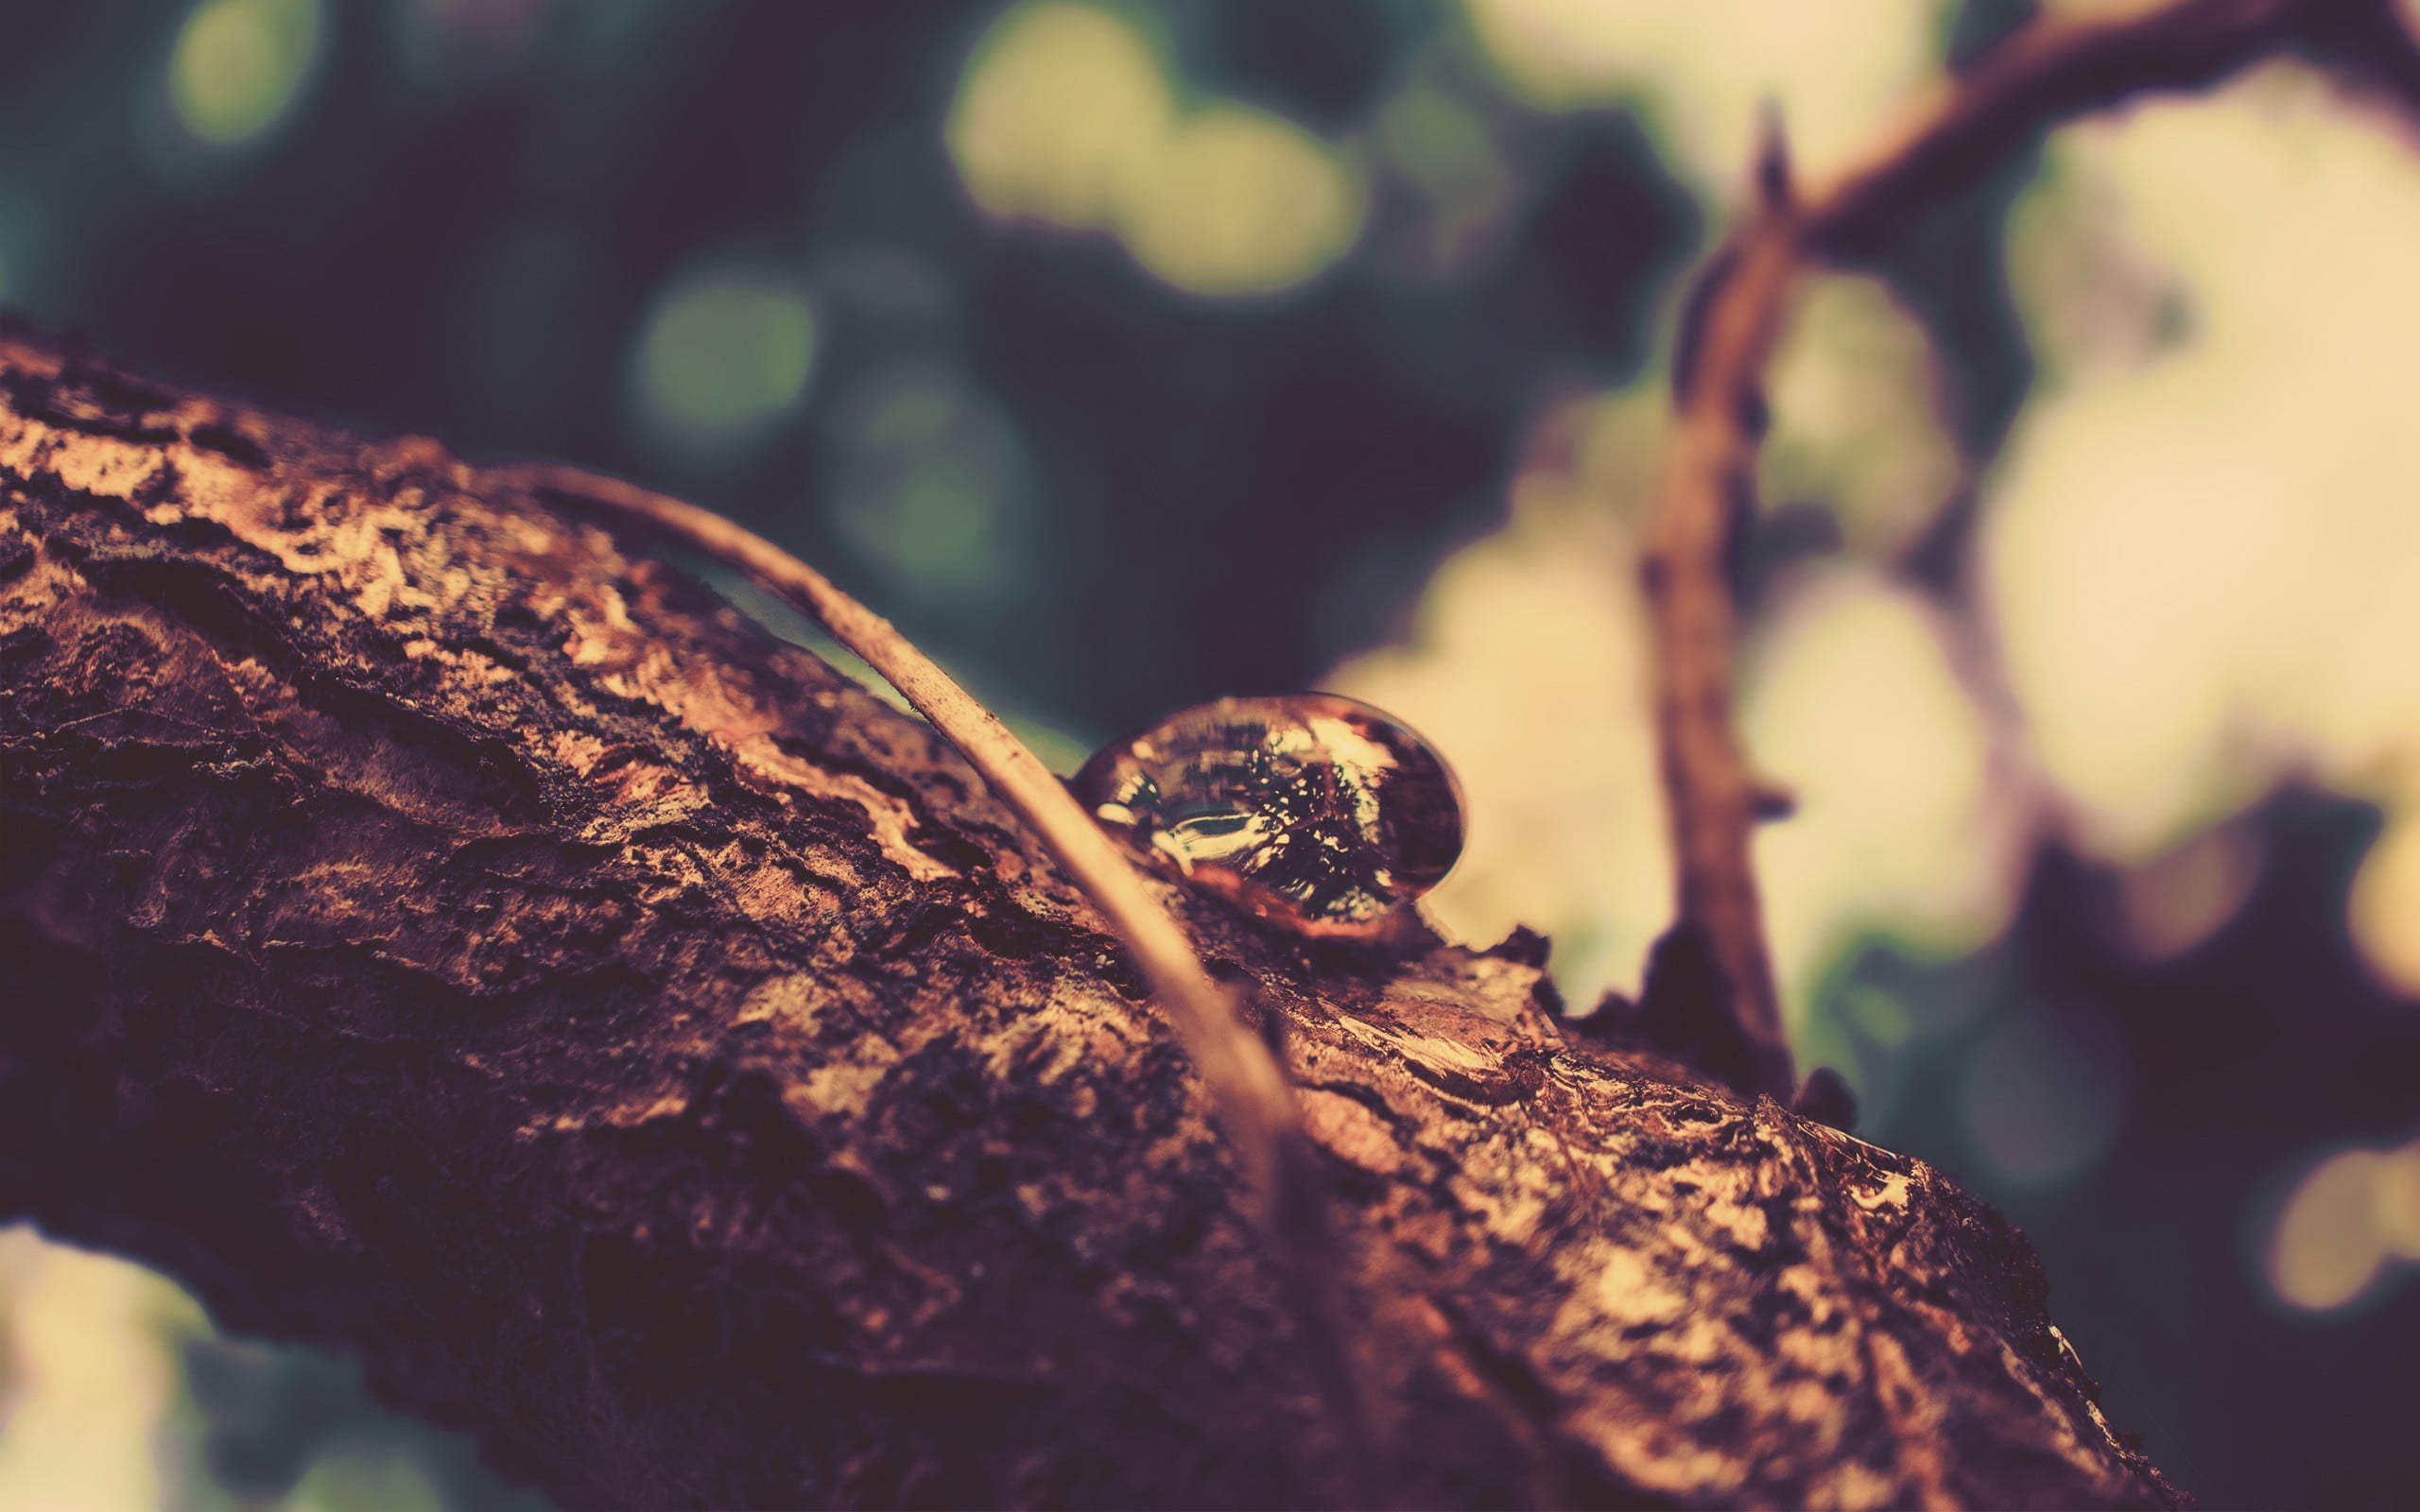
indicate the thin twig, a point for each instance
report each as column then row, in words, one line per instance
column 2051, row 69
column 1247, row 1085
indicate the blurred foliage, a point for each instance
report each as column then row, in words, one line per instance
column 2176, row 1088
column 1133, row 354
column 578, row 231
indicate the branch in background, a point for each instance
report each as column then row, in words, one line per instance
column 1246, row 1083
column 2050, row 70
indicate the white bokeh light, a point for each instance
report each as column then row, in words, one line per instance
column 2202, row 560
column 1854, row 702
column 1067, row 115
column 1704, row 72
column 2351, row 1222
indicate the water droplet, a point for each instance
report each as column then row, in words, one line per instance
column 1313, row 811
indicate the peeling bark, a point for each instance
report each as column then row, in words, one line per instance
column 429, row 930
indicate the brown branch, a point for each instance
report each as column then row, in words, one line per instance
column 432, row 932
column 2051, row 69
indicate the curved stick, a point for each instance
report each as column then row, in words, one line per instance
column 2053, row 68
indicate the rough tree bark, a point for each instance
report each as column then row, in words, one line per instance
column 428, row 929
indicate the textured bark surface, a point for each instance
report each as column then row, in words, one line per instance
column 428, row 927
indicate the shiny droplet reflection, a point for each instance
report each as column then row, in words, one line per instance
column 1313, row 811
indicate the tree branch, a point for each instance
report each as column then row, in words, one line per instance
column 2051, row 69
column 436, row 933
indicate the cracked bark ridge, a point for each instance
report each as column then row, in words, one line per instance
column 432, row 932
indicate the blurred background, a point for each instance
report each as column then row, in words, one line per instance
column 1129, row 355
